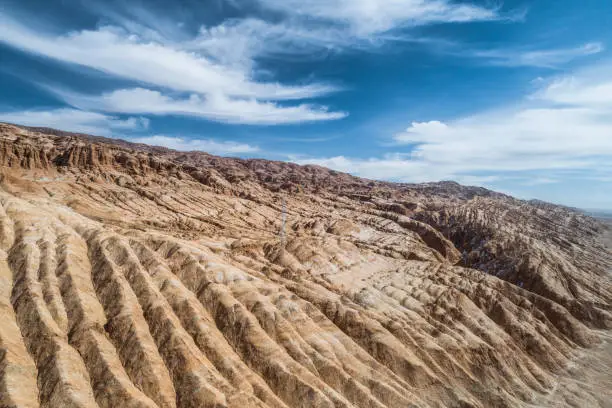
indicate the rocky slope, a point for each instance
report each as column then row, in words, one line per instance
column 135, row 276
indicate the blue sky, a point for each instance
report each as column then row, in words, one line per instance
column 512, row 95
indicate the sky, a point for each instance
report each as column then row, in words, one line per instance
column 512, row 95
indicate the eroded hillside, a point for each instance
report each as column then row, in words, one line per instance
column 134, row 276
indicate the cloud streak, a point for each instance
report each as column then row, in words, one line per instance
column 543, row 58
column 368, row 17
column 206, row 84
column 217, row 107
column 123, row 54
column 204, row 145
column 75, row 121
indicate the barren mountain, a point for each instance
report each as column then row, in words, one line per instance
column 136, row 276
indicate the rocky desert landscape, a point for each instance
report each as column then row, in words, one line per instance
column 137, row 276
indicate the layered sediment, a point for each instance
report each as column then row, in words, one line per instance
column 136, row 276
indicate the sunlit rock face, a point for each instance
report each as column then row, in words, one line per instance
column 135, row 276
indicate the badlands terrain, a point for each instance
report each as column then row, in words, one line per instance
column 137, row 276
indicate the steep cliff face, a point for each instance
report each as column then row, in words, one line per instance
column 134, row 276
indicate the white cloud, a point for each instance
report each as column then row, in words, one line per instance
column 216, row 83
column 75, row 121
column 545, row 58
column 238, row 42
column 217, row 107
column 368, row 17
column 204, row 145
column 124, row 54
column 566, row 126
column 396, row 167
column 92, row 123
column 388, row 167
column 579, row 91
column 496, row 140
column 536, row 181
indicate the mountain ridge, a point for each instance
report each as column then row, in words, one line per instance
column 148, row 277
column 165, row 150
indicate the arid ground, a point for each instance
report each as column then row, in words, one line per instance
column 136, row 276
column 587, row 381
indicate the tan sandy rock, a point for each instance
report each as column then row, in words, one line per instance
column 137, row 276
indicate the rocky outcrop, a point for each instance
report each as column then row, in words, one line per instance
column 135, row 276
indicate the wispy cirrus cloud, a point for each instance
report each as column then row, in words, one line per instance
column 337, row 25
column 240, row 42
column 544, row 58
column 205, row 145
column 593, row 90
column 307, row 27
column 217, row 107
column 124, row 54
column 75, row 120
column 368, row 17
column 207, row 87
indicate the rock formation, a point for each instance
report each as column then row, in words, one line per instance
column 136, row 276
